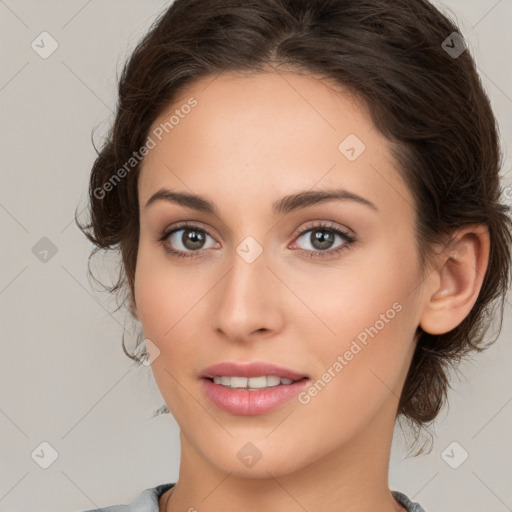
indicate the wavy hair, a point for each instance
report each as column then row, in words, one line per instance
column 392, row 54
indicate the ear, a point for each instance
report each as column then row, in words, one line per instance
column 457, row 280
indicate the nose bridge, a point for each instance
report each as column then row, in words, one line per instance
column 248, row 300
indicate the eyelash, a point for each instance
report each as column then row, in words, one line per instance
column 322, row 226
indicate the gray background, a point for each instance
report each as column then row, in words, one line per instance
column 64, row 378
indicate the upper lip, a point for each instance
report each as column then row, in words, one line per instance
column 255, row 369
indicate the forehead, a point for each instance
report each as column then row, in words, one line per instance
column 266, row 135
column 308, row 106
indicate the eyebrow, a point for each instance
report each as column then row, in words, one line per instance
column 282, row 206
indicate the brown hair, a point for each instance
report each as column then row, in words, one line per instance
column 429, row 103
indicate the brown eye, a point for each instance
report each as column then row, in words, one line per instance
column 185, row 240
column 322, row 238
column 192, row 239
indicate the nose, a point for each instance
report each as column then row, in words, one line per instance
column 248, row 302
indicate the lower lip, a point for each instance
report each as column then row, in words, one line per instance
column 250, row 403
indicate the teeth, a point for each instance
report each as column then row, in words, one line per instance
column 251, row 382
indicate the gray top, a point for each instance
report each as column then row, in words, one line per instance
column 147, row 501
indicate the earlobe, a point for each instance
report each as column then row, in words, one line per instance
column 458, row 280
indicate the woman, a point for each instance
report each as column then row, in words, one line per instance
column 306, row 198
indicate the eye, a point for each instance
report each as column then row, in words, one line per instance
column 185, row 239
column 322, row 238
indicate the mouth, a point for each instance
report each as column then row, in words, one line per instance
column 252, row 383
column 251, row 389
column 254, row 370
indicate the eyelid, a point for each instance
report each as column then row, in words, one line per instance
column 190, row 224
column 186, row 224
column 343, row 232
column 325, row 224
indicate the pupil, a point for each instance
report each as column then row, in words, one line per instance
column 324, row 238
column 192, row 239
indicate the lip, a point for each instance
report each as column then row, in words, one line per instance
column 255, row 369
column 245, row 402
column 251, row 403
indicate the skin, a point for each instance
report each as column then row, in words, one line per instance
column 250, row 141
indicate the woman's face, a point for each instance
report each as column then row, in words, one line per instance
column 277, row 285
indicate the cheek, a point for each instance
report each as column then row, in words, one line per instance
column 352, row 296
column 170, row 299
column 359, row 374
column 164, row 293
column 152, row 302
column 370, row 311
column 165, row 308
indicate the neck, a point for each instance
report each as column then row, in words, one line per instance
column 351, row 478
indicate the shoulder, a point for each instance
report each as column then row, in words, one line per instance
column 411, row 506
column 146, row 501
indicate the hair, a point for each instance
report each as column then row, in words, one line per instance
column 429, row 104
